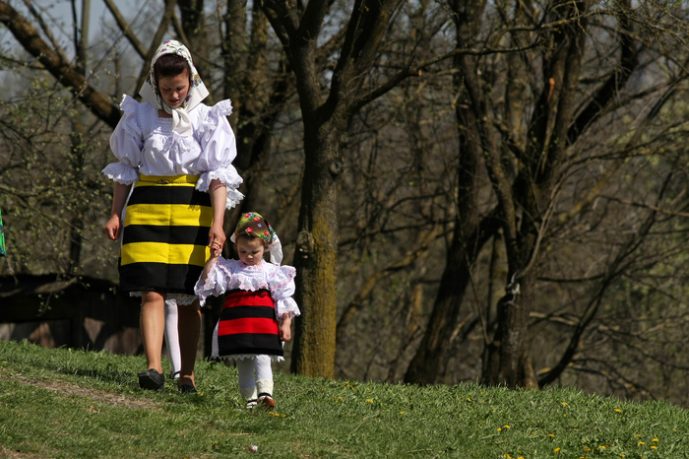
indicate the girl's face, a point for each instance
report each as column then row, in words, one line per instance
column 174, row 89
column 250, row 250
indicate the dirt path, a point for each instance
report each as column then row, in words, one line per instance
column 69, row 388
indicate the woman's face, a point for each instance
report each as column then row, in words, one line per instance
column 250, row 251
column 174, row 89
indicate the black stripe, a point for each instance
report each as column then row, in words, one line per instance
column 244, row 312
column 169, row 195
column 249, row 343
column 142, row 277
column 170, row 234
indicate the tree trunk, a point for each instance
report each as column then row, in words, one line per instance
column 316, row 255
column 532, row 196
column 324, row 116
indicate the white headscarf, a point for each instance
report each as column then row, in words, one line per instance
column 181, row 123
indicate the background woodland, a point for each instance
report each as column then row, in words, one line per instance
column 471, row 191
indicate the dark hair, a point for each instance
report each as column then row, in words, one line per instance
column 249, row 237
column 169, row 65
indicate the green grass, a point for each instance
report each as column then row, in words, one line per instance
column 68, row 404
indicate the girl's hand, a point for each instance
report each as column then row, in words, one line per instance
column 112, row 227
column 216, row 240
column 286, row 328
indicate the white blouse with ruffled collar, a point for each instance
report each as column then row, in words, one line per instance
column 226, row 275
column 144, row 143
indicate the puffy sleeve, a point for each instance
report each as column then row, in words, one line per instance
column 282, row 289
column 218, row 150
column 214, row 282
column 126, row 142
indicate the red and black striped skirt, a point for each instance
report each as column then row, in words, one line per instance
column 248, row 324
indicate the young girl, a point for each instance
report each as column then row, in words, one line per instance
column 177, row 152
column 258, row 308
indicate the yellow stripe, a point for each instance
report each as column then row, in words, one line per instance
column 167, row 180
column 160, row 252
column 168, row 215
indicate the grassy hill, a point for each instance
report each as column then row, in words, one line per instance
column 66, row 403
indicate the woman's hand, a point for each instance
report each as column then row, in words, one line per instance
column 112, row 227
column 216, row 240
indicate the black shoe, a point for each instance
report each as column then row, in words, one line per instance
column 151, row 380
column 186, row 388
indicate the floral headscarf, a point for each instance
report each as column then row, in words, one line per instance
column 252, row 224
column 181, row 123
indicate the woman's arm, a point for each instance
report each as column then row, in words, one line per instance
column 216, row 235
column 113, row 226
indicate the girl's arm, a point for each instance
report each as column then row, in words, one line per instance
column 216, row 235
column 286, row 327
column 113, row 226
column 212, row 282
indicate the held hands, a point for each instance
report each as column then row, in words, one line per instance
column 216, row 240
column 112, row 227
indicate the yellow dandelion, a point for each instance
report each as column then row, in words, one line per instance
column 654, row 447
column 564, row 404
column 520, row 457
column 551, row 435
column 370, row 401
column 499, row 429
column 641, row 443
column 655, row 440
column 602, row 447
column 506, row 456
column 618, row 410
column 556, row 450
column 507, row 427
column 587, row 449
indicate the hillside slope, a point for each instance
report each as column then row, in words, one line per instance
column 67, row 403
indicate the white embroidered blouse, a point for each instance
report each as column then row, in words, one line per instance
column 144, row 143
column 226, row 275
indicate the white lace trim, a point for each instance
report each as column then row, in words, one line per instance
column 235, row 357
column 228, row 176
column 121, row 173
column 183, row 299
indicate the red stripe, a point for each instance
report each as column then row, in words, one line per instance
column 246, row 298
column 248, row 325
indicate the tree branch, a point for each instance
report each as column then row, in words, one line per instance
column 616, row 81
column 615, row 269
column 157, row 39
column 58, row 65
column 125, row 28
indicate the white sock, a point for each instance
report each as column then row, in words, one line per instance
column 172, row 336
column 264, row 374
column 247, row 378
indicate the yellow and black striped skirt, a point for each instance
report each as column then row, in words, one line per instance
column 165, row 238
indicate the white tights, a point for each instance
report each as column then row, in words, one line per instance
column 255, row 376
column 172, row 336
